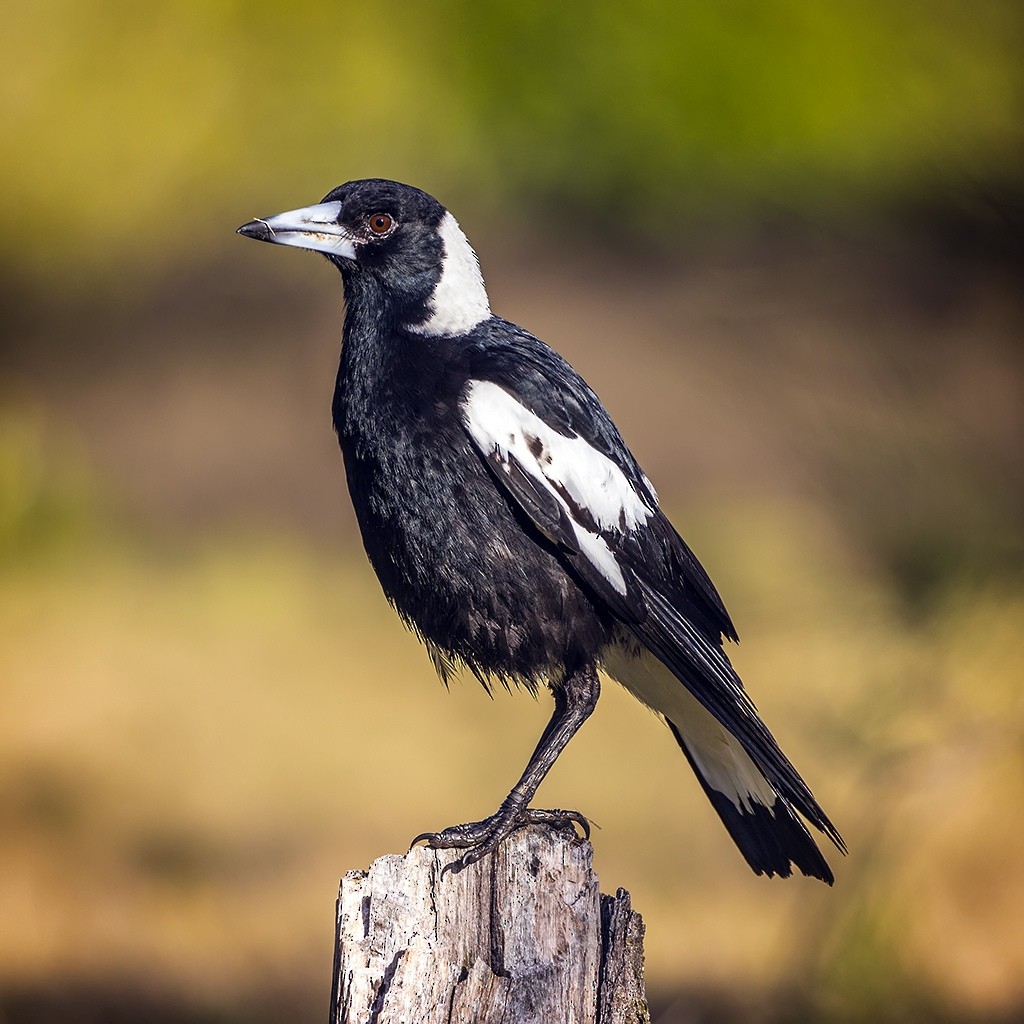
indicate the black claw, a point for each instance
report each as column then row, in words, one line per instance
column 427, row 837
column 472, row 856
column 555, row 819
column 479, row 838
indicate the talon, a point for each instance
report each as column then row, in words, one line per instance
column 428, row 837
column 579, row 819
column 479, row 838
column 470, row 857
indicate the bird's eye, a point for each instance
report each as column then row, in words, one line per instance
column 381, row 223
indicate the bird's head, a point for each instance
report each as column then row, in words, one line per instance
column 395, row 246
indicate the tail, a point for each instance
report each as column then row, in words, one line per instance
column 762, row 822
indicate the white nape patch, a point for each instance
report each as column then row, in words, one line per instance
column 583, row 481
column 460, row 300
column 313, row 227
column 719, row 756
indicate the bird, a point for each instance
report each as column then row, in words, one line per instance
column 513, row 530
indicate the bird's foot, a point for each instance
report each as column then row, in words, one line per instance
column 479, row 838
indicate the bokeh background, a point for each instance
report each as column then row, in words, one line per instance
column 782, row 240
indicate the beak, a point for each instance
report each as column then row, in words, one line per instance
column 312, row 227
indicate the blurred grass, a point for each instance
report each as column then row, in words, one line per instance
column 209, row 712
column 197, row 741
column 782, row 240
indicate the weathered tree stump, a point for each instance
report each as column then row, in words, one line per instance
column 523, row 937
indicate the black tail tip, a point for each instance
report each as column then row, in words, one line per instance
column 772, row 840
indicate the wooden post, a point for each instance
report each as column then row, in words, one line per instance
column 523, row 937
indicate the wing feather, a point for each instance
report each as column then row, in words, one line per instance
column 706, row 672
column 573, row 477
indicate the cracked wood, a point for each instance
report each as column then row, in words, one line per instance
column 523, row 936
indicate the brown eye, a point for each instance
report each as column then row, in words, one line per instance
column 381, row 223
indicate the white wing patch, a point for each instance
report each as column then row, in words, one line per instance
column 587, row 484
column 718, row 755
column 460, row 300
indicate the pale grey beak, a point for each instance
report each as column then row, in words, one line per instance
column 312, row 227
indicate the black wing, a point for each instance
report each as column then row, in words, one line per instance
column 552, row 446
column 546, row 386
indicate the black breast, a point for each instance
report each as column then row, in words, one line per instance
column 457, row 559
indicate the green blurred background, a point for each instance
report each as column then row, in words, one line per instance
column 782, row 239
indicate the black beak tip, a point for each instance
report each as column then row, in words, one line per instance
column 256, row 229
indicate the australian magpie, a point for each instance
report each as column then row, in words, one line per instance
column 514, row 531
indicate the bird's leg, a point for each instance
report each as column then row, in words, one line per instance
column 575, row 700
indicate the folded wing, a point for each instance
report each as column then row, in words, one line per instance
column 579, row 485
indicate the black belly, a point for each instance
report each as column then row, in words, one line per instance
column 463, row 565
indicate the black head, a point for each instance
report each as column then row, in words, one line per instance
column 394, row 245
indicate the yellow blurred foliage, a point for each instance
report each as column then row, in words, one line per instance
column 782, row 242
column 195, row 745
